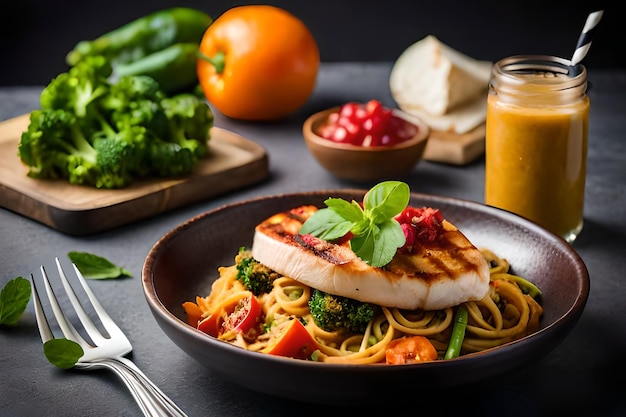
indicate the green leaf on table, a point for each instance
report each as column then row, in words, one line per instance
column 376, row 233
column 62, row 353
column 13, row 300
column 96, row 267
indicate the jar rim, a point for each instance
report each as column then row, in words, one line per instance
column 523, row 69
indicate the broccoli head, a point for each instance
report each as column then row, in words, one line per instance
column 39, row 151
column 168, row 159
column 256, row 277
column 337, row 313
column 132, row 88
column 189, row 120
column 122, row 156
column 135, row 101
column 145, row 113
column 79, row 88
column 54, row 146
column 92, row 131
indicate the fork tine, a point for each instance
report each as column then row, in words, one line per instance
column 42, row 322
column 84, row 318
column 69, row 331
column 111, row 327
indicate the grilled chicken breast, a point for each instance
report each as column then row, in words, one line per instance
column 438, row 274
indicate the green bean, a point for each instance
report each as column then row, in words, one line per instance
column 526, row 286
column 458, row 332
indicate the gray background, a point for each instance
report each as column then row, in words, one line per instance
column 35, row 35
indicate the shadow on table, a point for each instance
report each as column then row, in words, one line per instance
column 594, row 234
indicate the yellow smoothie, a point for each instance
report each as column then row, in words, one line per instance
column 536, row 161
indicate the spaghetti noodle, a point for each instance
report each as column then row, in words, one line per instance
column 508, row 312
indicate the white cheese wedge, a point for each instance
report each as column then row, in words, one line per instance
column 438, row 275
column 430, row 78
column 460, row 120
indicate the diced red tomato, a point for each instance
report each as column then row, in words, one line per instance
column 294, row 342
column 243, row 316
column 410, row 349
column 419, row 224
column 370, row 124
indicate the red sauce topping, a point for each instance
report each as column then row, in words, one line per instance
column 419, row 225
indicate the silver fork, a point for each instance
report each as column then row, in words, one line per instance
column 104, row 351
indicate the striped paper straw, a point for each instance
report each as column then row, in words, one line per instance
column 584, row 41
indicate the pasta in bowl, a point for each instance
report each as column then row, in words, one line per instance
column 389, row 334
column 185, row 264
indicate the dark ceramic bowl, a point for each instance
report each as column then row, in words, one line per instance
column 184, row 262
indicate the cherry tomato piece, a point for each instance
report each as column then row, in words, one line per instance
column 294, row 342
column 242, row 316
column 209, row 325
column 245, row 316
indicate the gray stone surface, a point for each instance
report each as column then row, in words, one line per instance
column 570, row 379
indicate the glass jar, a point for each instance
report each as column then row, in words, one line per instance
column 536, row 141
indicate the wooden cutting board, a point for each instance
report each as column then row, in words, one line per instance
column 233, row 162
column 455, row 149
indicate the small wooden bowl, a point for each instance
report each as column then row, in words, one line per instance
column 365, row 164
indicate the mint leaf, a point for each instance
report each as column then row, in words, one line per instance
column 62, row 353
column 376, row 234
column 96, row 267
column 13, row 300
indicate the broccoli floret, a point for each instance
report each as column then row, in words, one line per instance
column 190, row 120
column 136, row 101
column 40, row 153
column 336, row 313
column 131, row 88
column 256, row 277
column 144, row 113
column 54, row 146
column 79, row 88
column 92, row 131
column 168, row 159
column 122, row 156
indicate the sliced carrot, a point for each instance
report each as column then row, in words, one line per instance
column 193, row 313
